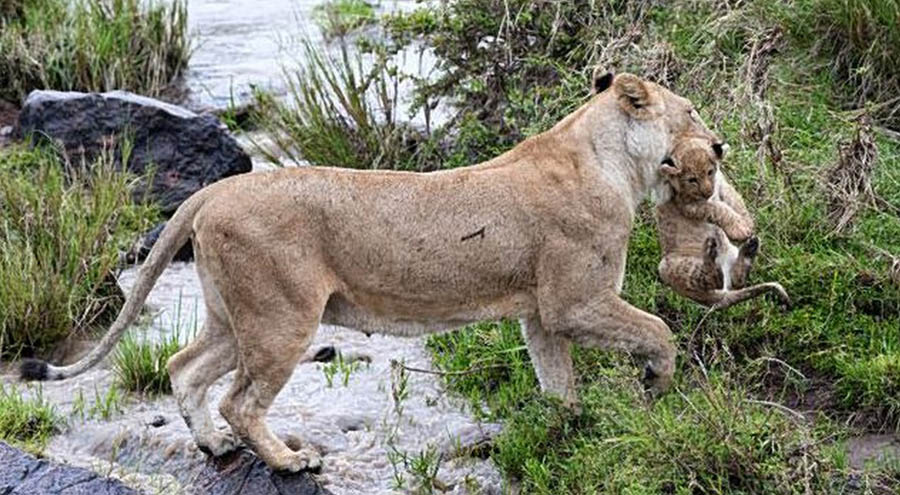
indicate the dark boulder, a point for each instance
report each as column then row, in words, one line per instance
column 23, row 474
column 243, row 472
column 186, row 151
column 141, row 248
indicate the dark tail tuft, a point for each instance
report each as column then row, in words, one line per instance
column 325, row 354
column 33, row 369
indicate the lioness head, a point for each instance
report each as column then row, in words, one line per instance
column 648, row 117
column 691, row 169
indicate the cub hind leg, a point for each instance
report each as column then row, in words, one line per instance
column 696, row 278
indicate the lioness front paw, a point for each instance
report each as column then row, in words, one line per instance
column 301, row 460
column 655, row 384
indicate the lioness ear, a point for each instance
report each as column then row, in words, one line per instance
column 601, row 81
column 633, row 92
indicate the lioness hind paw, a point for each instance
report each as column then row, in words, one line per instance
column 219, row 444
column 303, row 460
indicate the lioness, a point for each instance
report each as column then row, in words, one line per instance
column 538, row 233
column 697, row 226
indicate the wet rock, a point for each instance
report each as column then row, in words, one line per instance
column 23, row 474
column 243, row 472
column 142, row 247
column 158, row 421
column 9, row 115
column 186, row 151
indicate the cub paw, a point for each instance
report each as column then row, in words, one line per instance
column 751, row 247
column 738, row 232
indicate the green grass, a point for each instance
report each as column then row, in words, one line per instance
column 26, row 422
column 763, row 398
column 92, row 45
column 140, row 364
column 62, row 227
column 338, row 18
column 338, row 114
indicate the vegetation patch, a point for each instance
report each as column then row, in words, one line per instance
column 140, row 363
column 26, row 422
column 62, row 226
column 92, row 45
column 338, row 18
column 764, row 398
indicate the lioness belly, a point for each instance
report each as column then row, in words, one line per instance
column 410, row 321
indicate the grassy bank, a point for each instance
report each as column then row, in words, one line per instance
column 91, row 45
column 764, row 398
column 61, row 230
column 26, row 422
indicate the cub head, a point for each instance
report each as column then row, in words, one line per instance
column 650, row 116
column 692, row 167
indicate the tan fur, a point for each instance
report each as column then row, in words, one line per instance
column 697, row 227
column 538, row 233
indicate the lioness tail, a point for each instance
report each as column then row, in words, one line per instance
column 176, row 233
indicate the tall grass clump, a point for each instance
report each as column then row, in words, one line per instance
column 140, row 363
column 26, row 422
column 860, row 39
column 339, row 113
column 61, row 229
column 92, row 45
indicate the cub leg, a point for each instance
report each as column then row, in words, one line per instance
column 695, row 278
column 740, row 271
column 551, row 356
column 728, row 298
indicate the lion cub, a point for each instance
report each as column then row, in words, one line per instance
column 697, row 228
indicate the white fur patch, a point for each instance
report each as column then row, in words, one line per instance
column 728, row 255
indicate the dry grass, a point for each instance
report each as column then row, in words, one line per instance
column 849, row 182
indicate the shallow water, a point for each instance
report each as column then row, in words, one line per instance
column 244, row 42
column 354, row 427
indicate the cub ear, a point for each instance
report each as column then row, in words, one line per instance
column 601, row 80
column 633, row 92
column 720, row 149
column 668, row 168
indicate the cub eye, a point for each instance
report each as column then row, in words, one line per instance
column 693, row 180
column 711, row 172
